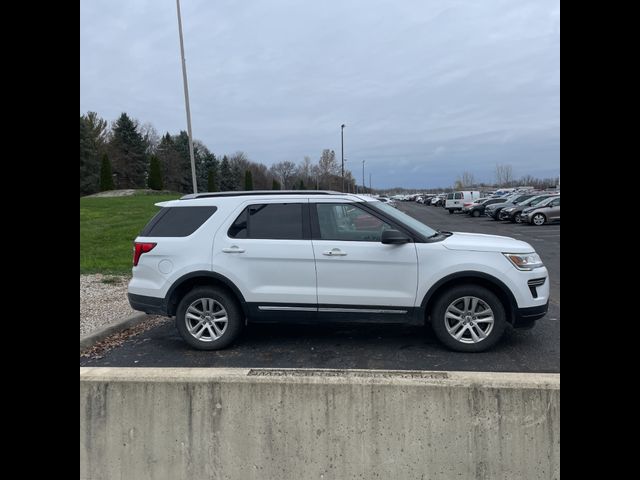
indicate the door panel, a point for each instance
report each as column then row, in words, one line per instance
column 353, row 267
column 268, row 269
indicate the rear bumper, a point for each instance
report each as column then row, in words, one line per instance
column 153, row 305
column 526, row 317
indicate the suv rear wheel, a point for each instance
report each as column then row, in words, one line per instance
column 208, row 318
column 468, row 318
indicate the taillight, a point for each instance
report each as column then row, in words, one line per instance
column 139, row 248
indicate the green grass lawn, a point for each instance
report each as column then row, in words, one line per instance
column 108, row 226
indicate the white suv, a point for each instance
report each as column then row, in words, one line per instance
column 219, row 260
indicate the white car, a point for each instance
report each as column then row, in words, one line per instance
column 456, row 200
column 216, row 261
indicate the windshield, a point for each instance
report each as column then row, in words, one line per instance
column 535, row 200
column 402, row 217
column 545, row 201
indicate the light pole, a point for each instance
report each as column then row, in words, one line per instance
column 342, row 148
column 370, row 189
column 186, row 101
column 364, row 186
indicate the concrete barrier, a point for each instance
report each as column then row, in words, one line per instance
column 193, row 423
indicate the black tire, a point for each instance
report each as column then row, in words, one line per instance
column 450, row 210
column 539, row 216
column 475, row 213
column 233, row 314
column 439, row 321
column 517, row 218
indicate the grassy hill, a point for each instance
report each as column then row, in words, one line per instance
column 108, row 226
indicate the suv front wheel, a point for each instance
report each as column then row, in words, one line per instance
column 208, row 318
column 468, row 318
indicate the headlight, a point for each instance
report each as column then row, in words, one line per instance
column 508, row 209
column 524, row 261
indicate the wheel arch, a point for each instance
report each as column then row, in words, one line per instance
column 470, row 277
column 201, row 278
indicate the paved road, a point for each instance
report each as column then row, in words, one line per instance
column 369, row 346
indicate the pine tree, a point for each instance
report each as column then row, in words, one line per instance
column 205, row 161
column 301, row 186
column 236, row 176
column 106, row 177
column 226, row 181
column 155, row 173
column 248, row 180
column 212, row 181
column 128, row 147
column 89, row 163
column 183, row 168
column 275, row 185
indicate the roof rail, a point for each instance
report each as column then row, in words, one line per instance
column 192, row 196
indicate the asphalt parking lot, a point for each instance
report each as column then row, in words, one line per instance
column 370, row 346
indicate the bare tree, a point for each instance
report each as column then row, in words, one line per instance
column 284, row 172
column 315, row 175
column 150, row 136
column 465, row 180
column 504, row 175
column 329, row 170
column 261, row 178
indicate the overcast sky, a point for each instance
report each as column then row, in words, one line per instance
column 427, row 88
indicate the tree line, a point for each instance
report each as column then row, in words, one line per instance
column 504, row 178
column 128, row 154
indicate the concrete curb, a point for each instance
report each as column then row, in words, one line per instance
column 94, row 337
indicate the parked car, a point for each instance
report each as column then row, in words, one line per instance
column 494, row 210
column 468, row 205
column 438, row 201
column 479, row 210
column 456, row 200
column 425, row 199
column 217, row 261
column 513, row 213
column 546, row 211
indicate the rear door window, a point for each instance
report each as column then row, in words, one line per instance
column 277, row 221
column 177, row 221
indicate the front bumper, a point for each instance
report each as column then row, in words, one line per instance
column 526, row 317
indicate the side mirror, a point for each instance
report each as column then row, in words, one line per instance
column 394, row 237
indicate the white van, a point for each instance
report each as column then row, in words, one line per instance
column 456, row 200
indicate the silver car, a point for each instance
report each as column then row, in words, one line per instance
column 545, row 212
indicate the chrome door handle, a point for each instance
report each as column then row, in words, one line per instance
column 233, row 249
column 334, row 252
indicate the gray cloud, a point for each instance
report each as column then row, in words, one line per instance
column 427, row 88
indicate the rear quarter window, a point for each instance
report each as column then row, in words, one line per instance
column 177, row 221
